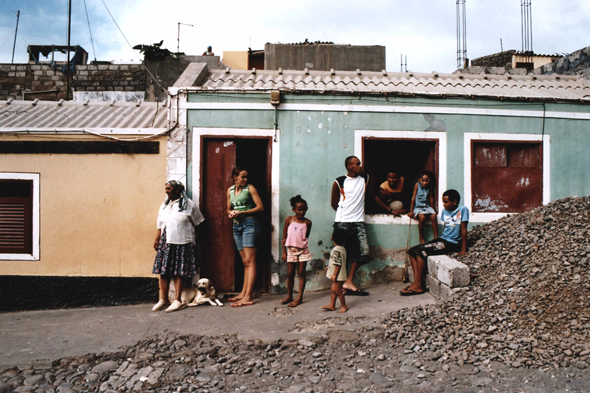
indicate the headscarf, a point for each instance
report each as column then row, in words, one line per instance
column 183, row 198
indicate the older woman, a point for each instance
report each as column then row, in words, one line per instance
column 175, row 244
column 243, row 204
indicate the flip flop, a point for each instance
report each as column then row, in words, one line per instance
column 358, row 292
column 242, row 304
column 410, row 292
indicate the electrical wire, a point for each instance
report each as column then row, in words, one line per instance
column 128, row 43
column 89, row 30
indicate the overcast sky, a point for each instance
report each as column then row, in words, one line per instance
column 424, row 30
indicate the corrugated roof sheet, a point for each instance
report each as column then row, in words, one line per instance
column 124, row 117
column 470, row 85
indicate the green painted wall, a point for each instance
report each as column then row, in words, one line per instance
column 313, row 145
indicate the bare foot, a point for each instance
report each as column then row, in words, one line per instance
column 343, row 309
column 422, row 240
column 295, row 303
column 286, row 300
column 350, row 288
column 235, row 298
column 243, row 304
column 329, row 308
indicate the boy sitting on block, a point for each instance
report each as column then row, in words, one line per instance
column 454, row 239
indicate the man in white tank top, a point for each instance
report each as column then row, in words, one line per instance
column 348, row 199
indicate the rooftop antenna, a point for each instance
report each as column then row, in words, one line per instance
column 15, row 33
column 461, row 35
column 526, row 22
column 178, row 45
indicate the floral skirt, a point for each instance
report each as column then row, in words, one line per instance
column 175, row 259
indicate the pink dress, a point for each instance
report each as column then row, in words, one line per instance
column 296, row 243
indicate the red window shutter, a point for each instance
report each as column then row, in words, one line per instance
column 16, row 226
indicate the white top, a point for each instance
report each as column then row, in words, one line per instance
column 351, row 207
column 180, row 225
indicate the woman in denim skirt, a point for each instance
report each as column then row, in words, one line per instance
column 243, row 204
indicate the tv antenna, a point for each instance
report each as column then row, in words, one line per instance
column 462, row 61
column 178, row 45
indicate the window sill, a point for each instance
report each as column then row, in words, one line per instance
column 389, row 219
column 18, row 257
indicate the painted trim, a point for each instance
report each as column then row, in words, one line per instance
column 36, row 214
column 441, row 137
column 240, row 132
column 389, row 109
column 470, row 136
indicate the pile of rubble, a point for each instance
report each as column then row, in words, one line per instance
column 528, row 303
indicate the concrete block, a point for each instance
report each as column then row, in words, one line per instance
column 453, row 273
column 477, row 70
column 447, row 294
column 433, row 286
column 497, row 70
column 432, row 263
column 517, row 71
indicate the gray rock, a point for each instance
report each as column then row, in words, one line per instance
column 103, row 367
column 34, row 380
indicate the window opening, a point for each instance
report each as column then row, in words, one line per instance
column 409, row 157
column 16, row 216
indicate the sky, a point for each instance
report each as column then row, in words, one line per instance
column 423, row 30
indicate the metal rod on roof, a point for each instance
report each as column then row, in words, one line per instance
column 15, row 33
column 461, row 33
column 68, row 63
column 178, row 44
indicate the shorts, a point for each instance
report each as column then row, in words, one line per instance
column 357, row 244
column 246, row 233
column 295, row 254
column 436, row 246
column 427, row 210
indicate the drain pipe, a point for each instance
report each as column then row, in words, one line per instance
column 275, row 101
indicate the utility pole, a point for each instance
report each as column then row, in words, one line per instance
column 178, row 45
column 15, row 33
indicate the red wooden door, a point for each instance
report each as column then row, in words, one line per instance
column 219, row 158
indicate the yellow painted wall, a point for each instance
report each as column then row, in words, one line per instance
column 98, row 211
column 538, row 61
column 236, row 59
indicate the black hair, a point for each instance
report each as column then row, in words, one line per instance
column 297, row 199
column 339, row 236
column 430, row 176
column 453, row 195
column 236, row 171
column 347, row 160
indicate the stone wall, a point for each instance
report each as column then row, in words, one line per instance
column 576, row 63
column 42, row 81
column 502, row 59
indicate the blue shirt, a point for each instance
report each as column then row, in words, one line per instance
column 452, row 221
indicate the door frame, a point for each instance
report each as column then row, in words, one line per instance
column 199, row 133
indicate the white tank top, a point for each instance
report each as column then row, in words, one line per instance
column 351, row 207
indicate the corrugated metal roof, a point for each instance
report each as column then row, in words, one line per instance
column 101, row 117
column 470, row 85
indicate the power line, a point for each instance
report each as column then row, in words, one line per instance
column 90, row 31
column 128, row 43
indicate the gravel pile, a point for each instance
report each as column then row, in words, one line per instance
column 528, row 302
column 336, row 361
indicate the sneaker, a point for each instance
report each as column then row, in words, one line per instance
column 160, row 305
column 175, row 306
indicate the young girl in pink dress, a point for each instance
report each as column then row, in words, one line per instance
column 295, row 248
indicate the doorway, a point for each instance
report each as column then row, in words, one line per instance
column 221, row 261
